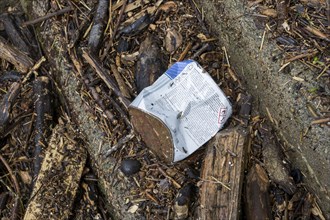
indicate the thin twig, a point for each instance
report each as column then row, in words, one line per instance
column 120, row 143
column 103, row 74
column 47, row 16
column 185, row 51
column 112, row 37
column 200, row 51
column 11, row 174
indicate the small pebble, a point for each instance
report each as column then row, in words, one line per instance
column 130, row 166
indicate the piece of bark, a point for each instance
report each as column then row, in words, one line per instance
column 43, row 119
column 222, row 175
column 57, row 183
column 120, row 81
column 11, row 54
column 6, row 104
column 278, row 171
column 282, row 11
column 151, row 64
column 15, row 34
column 99, row 24
column 257, row 204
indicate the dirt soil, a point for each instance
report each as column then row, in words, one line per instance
column 80, row 66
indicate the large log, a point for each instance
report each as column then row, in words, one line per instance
column 69, row 86
column 222, row 175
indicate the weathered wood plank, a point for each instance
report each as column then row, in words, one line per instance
column 222, row 175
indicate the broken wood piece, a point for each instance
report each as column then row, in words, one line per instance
column 185, row 52
column 104, row 75
column 120, row 81
column 137, row 26
column 6, row 104
column 273, row 160
column 151, row 64
column 11, row 54
column 222, row 175
column 57, row 183
column 257, row 205
column 200, row 51
column 21, row 38
column 282, row 8
column 99, row 24
column 43, row 111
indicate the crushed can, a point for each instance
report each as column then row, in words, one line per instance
column 180, row 111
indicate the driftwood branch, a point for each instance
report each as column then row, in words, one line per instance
column 43, row 119
column 11, row 54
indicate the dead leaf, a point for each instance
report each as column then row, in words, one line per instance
column 201, row 36
column 168, row 6
column 173, row 40
column 26, row 177
column 133, row 208
column 269, row 12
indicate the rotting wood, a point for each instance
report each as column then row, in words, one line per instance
column 43, row 119
column 222, row 175
column 11, row 54
column 151, row 64
column 277, row 170
column 56, row 186
column 257, row 204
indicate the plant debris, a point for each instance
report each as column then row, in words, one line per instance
column 64, row 137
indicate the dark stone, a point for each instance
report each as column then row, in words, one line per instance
column 130, row 166
column 296, row 175
column 123, row 45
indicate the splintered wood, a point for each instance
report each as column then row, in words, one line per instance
column 222, row 175
column 56, row 186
